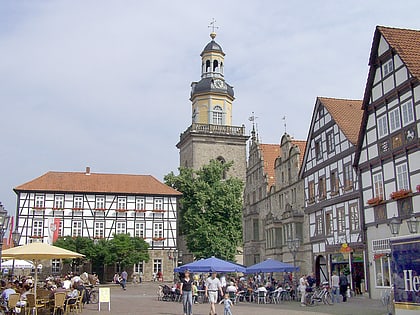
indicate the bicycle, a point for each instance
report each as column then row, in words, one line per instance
column 92, row 295
column 319, row 295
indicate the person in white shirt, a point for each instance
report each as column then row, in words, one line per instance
column 231, row 288
column 212, row 286
column 335, row 285
column 303, row 283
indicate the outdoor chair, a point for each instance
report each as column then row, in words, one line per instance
column 262, row 297
column 79, row 302
column 32, row 305
column 71, row 305
column 233, row 297
column 59, row 302
column 12, row 301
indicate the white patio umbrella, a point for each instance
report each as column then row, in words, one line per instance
column 18, row 263
column 38, row 251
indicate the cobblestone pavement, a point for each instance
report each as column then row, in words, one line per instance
column 142, row 299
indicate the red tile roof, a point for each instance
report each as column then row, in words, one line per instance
column 407, row 45
column 347, row 114
column 269, row 154
column 79, row 182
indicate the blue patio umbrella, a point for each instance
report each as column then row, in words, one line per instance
column 271, row 265
column 211, row 264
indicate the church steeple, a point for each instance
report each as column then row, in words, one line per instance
column 212, row 96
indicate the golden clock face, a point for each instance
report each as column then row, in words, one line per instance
column 219, row 83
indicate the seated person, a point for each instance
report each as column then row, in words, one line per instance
column 80, row 287
column 231, row 288
column 72, row 295
column 59, row 288
column 6, row 293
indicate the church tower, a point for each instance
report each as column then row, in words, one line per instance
column 211, row 134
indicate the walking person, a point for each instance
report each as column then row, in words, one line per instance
column 212, row 287
column 343, row 283
column 303, row 284
column 124, row 276
column 227, row 303
column 335, row 285
column 185, row 290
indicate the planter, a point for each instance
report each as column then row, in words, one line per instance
column 36, row 237
column 77, row 209
column 121, row 210
column 375, row 201
column 100, row 209
column 38, row 208
column 158, row 211
column 140, row 211
column 403, row 193
column 158, row 239
column 58, row 209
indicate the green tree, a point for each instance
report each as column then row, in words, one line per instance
column 125, row 250
column 81, row 245
column 210, row 214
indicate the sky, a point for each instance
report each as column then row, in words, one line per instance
column 106, row 84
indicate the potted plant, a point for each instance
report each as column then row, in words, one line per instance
column 402, row 193
column 374, row 201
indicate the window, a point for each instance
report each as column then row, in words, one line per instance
column 378, row 186
column 341, row 220
column 55, row 266
column 330, row 142
column 39, row 202
column 382, row 124
column 382, row 270
column 354, row 217
column 348, row 176
column 78, row 202
column 157, row 265
column 59, row 202
column 100, row 203
column 318, row 151
column 77, row 228
column 319, row 229
column 394, row 120
column 402, row 177
column 99, row 230
column 38, row 228
column 388, row 67
column 122, row 203
column 255, row 229
column 140, row 204
column 407, row 113
column 217, row 115
column 157, row 229
column 158, row 204
column 329, row 224
column 139, row 267
column 120, row 228
column 311, row 191
column 322, row 188
column 334, row 182
column 139, row 229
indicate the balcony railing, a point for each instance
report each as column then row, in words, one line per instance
column 214, row 129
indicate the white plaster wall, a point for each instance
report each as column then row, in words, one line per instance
column 397, row 62
column 376, row 92
column 377, row 76
column 392, row 209
column 392, row 104
column 417, row 94
column 388, row 84
column 383, row 46
column 380, row 111
column 388, row 189
column 366, row 179
column 401, row 76
column 371, row 136
column 369, row 215
column 363, row 156
column 406, row 96
column 388, row 171
column 373, row 150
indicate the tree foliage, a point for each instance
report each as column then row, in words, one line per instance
column 122, row 250
column 125, row 250
column 210, row 214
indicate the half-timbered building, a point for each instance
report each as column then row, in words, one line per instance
column 332, row 189
column 98, row 206
column 388, row 156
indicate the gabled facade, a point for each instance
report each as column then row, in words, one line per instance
column 332, row 189
column 98, row 206
column 273, row 203
column 388, row 156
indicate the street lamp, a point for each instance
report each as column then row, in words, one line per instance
column 293, row 246
column 173, row 255
column 4, row 223
column 15, row 239
column 394, row 225
column 413, row 224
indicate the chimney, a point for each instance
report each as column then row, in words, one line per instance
column 87, row 170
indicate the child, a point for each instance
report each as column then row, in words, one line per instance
column 228, row 304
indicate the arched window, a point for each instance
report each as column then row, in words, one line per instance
column 215, row 66
column 207, row 65
column 217, row 115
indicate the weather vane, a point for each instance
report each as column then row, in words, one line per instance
column 213, row 26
